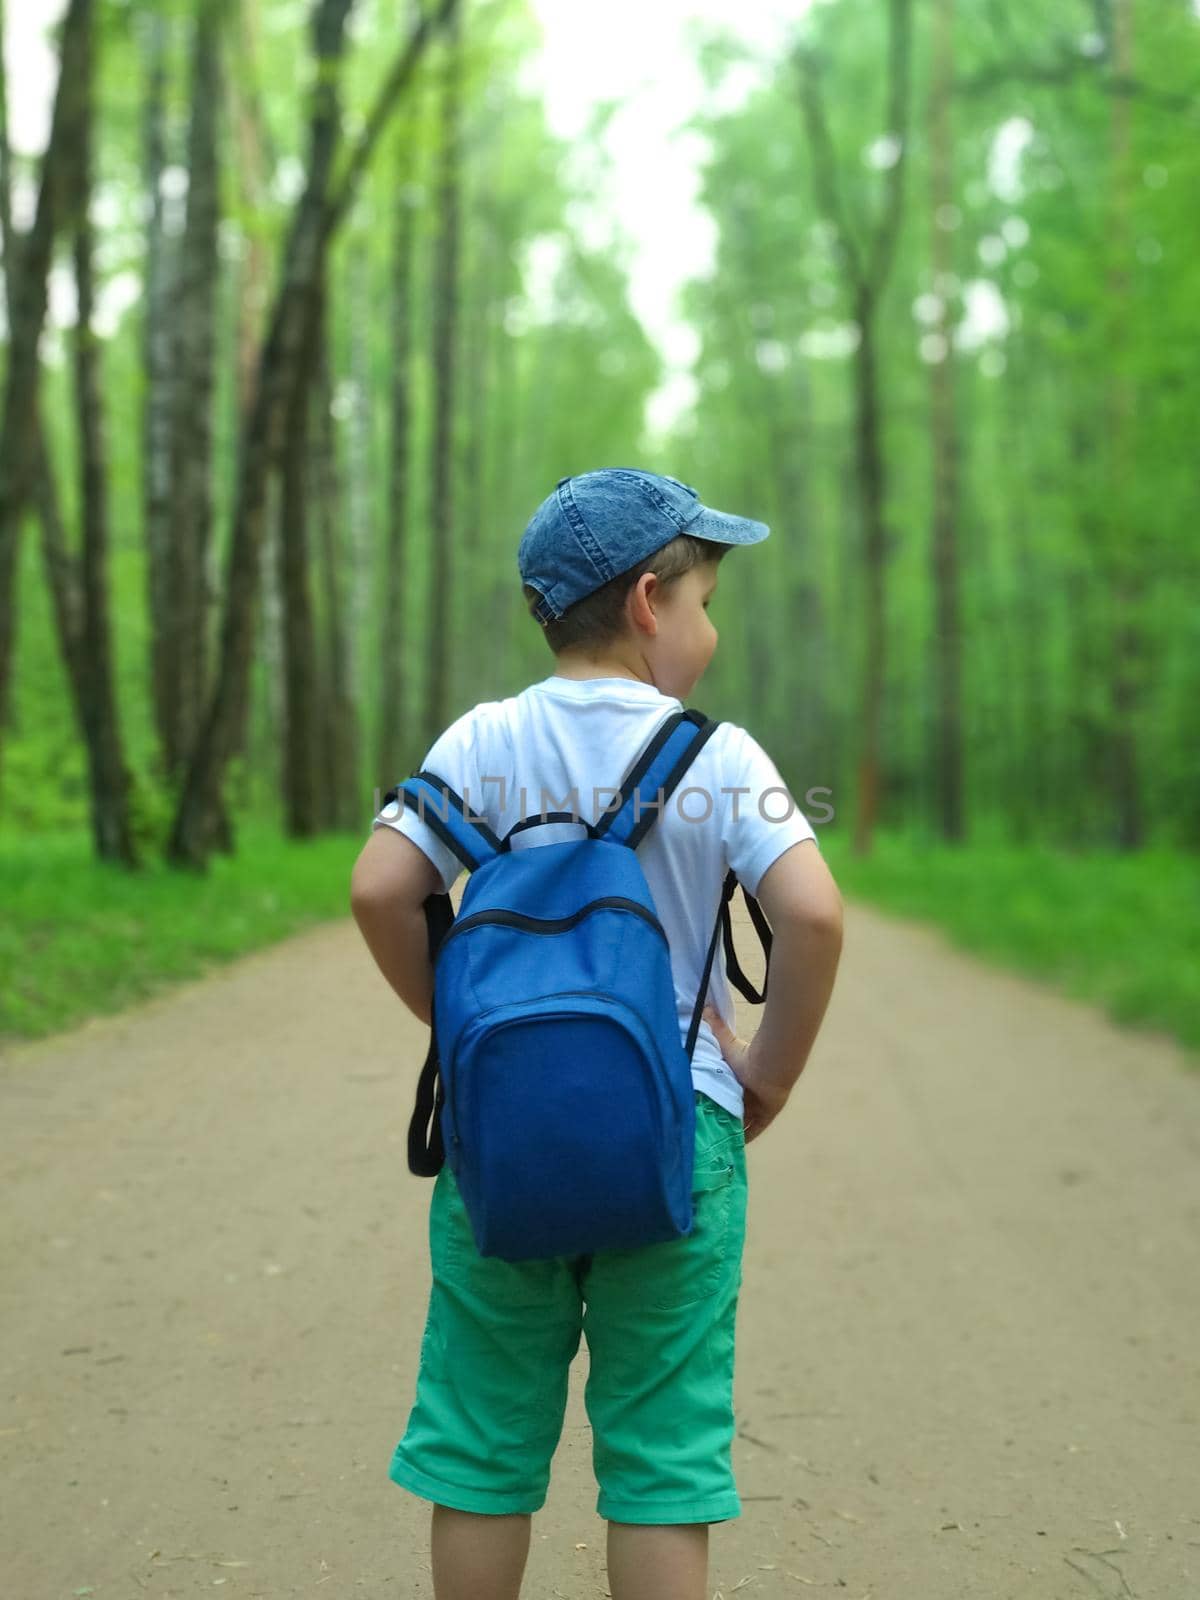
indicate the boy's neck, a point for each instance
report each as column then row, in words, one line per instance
column 581, row 670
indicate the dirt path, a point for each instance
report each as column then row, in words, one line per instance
column 968, row 1340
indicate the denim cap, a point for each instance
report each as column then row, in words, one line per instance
column 597, row 525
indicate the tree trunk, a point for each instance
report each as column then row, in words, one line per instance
column 871, row 474
column 1126, row 564
column 947, row 632
column 477, row 390
column 395, row 648
column 282, row 355
column 300, row 732
column 256, row 161
column 156, row 407
column 319, row 212
column 867, row 268
column 358, row 491
column 265, row 753
column 108, row 778
column 194, row 312
column 1034, row 801
column 445, row 309
column 340, row 806
column 61, row 577
column 504, row 609
column 64, row 582
column 56, row 195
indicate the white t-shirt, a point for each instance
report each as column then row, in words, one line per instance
column 580, row 738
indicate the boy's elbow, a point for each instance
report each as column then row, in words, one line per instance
column 816, row 919
column 827, row 914
column 829, row 924
column 369, row 887
column 799, row 891
column 821, row 922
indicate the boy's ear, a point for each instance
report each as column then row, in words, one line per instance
column 391, row 868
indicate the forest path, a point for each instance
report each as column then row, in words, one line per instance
column 968, row 1338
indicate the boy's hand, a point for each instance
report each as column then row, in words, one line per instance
column 763, row 1101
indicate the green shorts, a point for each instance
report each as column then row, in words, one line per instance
column 500, row 1336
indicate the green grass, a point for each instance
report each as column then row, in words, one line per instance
column 1121, row 931
column 78, row 939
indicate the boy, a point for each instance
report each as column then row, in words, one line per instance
column 618, row 567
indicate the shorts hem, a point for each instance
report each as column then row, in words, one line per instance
column 458, row 1497
column 717, row 1508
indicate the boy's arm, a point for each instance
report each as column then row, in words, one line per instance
column 804, row 908
column 389, row 885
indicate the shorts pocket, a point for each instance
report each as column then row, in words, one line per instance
column 717, row 1129
column 721, row 1149
column 714, row 1172
column 690, row 1268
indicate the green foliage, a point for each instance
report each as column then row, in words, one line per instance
column 151, row 810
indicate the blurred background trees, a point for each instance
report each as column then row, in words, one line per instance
column 325, row 328
column 1024, row 546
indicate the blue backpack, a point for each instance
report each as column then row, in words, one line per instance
column 564, row 1101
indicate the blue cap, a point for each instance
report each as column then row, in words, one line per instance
column 599, row 524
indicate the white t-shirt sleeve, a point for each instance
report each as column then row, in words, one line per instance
column 453, row 756
column 759, row 818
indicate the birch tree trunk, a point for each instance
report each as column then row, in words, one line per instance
column 319, row 213
column 476, row 351
column 108, row 778
column 867, row 267
column 358, row 497
column 1126, row 571
column 445, row 310
column 156, row 359
column 947, row 632
column 255, row 163
column 222, row 728
column 340, row 804
column 194, row 311
column 395, row 649
column 872, row 472
column 57, row 194
column 61, row 577
column 300, row 731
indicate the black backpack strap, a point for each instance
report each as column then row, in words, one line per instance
column 468, row 835
column 426, row 1152
column 733, row 970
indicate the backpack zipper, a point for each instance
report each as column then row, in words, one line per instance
column 518, row 919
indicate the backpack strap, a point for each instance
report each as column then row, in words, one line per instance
column 426, row 1152
column 733, row 970
column 661, row 766
column 448, row 814
column 473, row 842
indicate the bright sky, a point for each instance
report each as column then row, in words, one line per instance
column 32, row 70
column 638, row 52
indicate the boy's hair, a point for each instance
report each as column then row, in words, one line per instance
column 599, row 617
